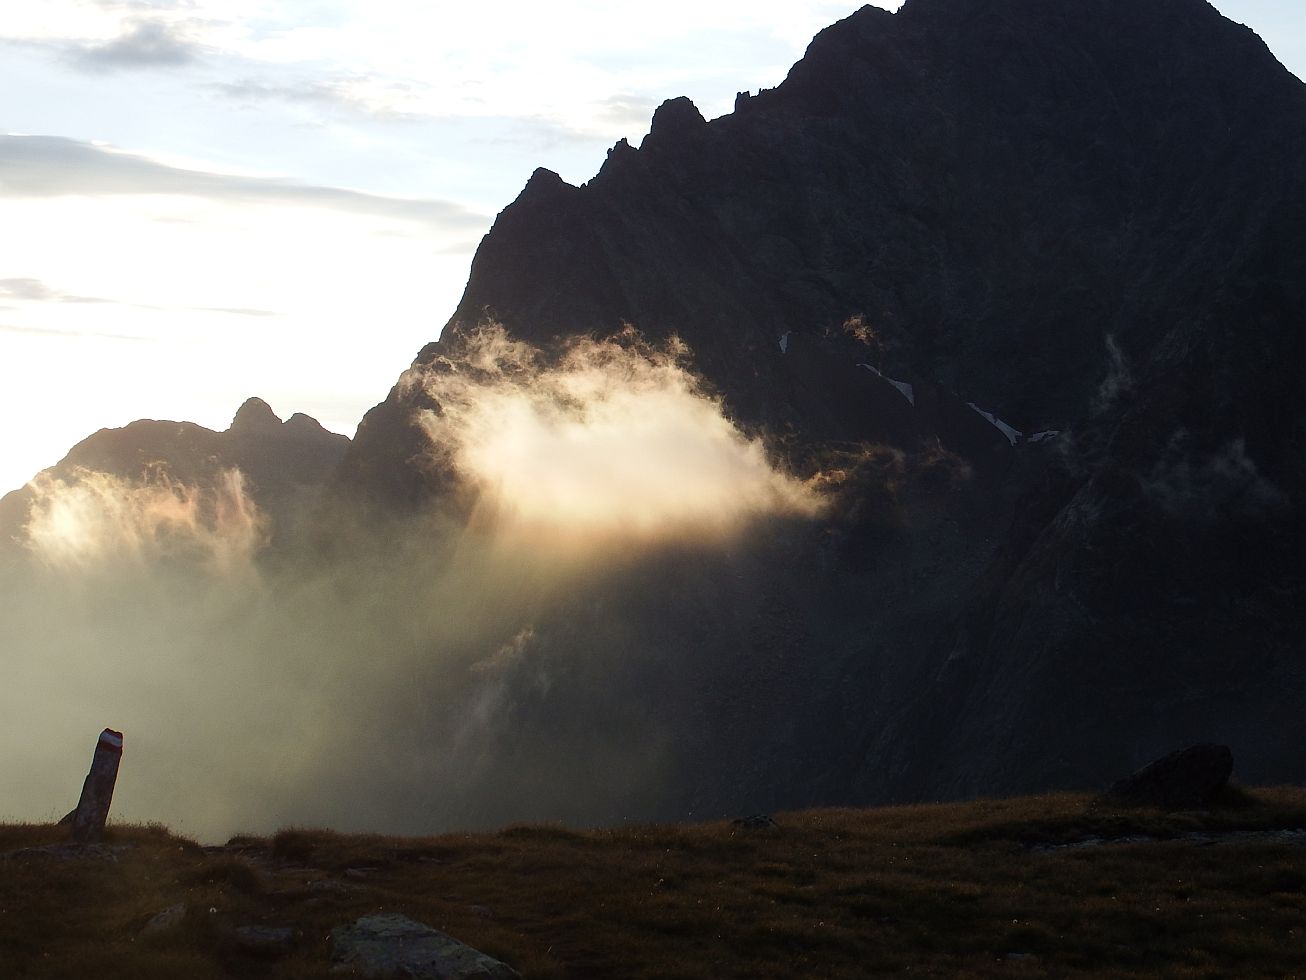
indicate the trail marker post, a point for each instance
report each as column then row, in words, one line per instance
column 97, row 792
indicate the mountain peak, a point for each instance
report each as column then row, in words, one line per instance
column 676, row 116
column 306, row 425
column 543, row 177
column 255, row 415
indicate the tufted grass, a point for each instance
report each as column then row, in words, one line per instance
column 943, row 890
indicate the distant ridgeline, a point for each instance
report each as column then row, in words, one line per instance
column 1016, row 291
column 260, row 471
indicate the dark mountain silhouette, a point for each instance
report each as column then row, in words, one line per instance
column 1086, row 219
column 286, row 464
column 1024, row 283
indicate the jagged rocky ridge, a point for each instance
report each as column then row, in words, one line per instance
column 1086, row 219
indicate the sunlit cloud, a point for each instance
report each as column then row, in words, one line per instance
column 615, row 437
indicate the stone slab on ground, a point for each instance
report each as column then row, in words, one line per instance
column 395, row 946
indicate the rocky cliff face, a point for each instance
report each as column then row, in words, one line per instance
column 1088, row 220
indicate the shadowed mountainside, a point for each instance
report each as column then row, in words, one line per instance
column 1089, row 220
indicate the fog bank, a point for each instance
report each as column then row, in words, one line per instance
column 548, row 652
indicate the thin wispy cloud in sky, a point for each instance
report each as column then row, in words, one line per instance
column 64, row 334
column 400, row 59
column 23, row 290
column 144, row 44
column 368, row 96
column 34, row 290
column 628, row 110
column 53, row 166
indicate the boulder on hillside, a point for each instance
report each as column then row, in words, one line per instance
column 1192, row 777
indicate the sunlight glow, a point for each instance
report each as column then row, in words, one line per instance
column 152, row 306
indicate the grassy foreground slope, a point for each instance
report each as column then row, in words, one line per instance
column 971, row 889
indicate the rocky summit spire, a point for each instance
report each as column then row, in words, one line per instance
column 255, row 415
column 674, row 117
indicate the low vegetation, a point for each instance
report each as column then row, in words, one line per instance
column 981, row 889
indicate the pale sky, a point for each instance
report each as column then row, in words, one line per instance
column 205, row 200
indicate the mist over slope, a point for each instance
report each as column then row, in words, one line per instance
column 929, row 426
column 503, row 655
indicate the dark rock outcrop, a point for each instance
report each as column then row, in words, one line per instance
column 1184, row 779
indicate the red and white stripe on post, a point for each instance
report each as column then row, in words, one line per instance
column 97, row 792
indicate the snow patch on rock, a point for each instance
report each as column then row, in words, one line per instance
column 904, row 387
column 1013, row 435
